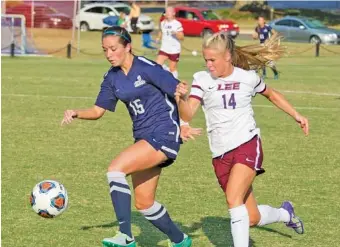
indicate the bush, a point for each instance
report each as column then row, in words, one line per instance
column 236, row 15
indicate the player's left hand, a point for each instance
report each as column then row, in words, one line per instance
column 303, row 122
column 187, row 132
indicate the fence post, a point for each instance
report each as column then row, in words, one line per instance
column 69, row 49
column 12, row 49
column 271, row 14
column 317, row 49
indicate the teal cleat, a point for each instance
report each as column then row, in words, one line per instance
column 276, row 76
column 187, row 242
column 120, row 240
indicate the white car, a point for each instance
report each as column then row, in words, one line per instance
column 91, row 16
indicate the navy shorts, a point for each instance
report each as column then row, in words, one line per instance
column 169, row 148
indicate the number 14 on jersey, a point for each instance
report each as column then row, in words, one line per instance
column 231, row 101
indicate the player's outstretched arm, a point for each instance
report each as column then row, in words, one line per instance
column 92, row 113
column 159, row 35
column 187, row 106
column 281, row 102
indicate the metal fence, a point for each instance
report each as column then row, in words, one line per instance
column 50, row 29
column 47, row 25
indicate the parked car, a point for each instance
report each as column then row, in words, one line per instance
column 202, row 21
column 304, row 29
column 91, row 16
column 43, row 16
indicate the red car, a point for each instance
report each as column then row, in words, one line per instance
column 200, row 22
column 44, row 16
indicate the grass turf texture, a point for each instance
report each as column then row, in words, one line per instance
column 35, row 147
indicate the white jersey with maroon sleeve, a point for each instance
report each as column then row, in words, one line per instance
column 170, row 44
column 226, row 103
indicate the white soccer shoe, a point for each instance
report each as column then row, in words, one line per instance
column 120, row 240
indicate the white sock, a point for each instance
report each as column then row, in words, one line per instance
column 240, row 226
column 175, row 74
column 271, row 215
column 165, row 67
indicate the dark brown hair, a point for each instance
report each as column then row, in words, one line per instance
column 122, row 33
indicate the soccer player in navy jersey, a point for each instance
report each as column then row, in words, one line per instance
column 263, row 32
column 148, row 93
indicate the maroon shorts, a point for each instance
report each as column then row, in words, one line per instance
column 172, row 57
column 249, row 154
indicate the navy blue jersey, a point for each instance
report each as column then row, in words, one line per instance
column 148, row 93
column 263, row 32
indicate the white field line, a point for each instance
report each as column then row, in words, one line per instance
column 310, row 92
column 304, row 107
column 86, row 97
column 46, row 96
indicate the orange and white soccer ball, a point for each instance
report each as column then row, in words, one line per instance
column 49, row 198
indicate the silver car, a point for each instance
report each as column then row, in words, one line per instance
column 304, row 29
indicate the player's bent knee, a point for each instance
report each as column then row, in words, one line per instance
column 113, row 167
column 142, row 205
column 254, row 220
column 234, row 201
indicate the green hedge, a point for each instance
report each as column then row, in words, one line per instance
column 235, row 14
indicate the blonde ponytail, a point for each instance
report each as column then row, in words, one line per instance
column 249, row 57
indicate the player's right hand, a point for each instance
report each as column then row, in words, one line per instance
column 69, row 116
column 255, row 35
column 182, row 90
column 187, row 132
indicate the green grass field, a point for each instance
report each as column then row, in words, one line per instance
column 36, row 91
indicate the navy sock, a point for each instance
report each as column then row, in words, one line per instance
column 121, row 200
column 159, row 217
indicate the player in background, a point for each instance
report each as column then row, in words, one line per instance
column 171, row 33
column 134, row 15
column 123, row 20
column 225, row 92
column 263, row 32
column 148, row 92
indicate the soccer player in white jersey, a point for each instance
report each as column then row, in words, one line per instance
column 225, row 92
column 171, row 33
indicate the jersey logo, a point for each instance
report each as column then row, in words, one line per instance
column 139, row 81
column 229, row 86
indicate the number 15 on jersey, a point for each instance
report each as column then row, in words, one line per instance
column 137, row 107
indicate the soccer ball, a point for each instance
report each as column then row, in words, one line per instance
column 49, row 199
column 194, row 53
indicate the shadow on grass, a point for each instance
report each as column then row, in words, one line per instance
column 262, row 228
column 216, row 229
column 149, row 235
